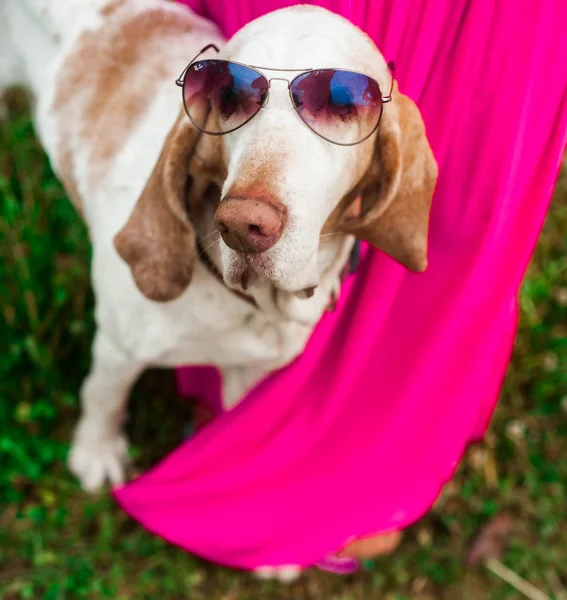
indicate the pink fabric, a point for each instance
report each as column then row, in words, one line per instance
column 360, row 433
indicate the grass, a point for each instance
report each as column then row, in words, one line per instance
column 57, row 543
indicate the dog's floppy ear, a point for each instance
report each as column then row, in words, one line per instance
column 158, row 240
column 395, row 194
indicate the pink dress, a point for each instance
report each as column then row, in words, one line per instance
column 360, row 433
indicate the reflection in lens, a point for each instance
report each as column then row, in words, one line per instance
column 220, row 96
column 342, row 106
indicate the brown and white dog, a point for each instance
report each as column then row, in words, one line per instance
column 148, row 186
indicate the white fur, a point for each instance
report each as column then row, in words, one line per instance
column 283, row 574
column 207, row 324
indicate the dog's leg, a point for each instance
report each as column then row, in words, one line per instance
column 99, row 448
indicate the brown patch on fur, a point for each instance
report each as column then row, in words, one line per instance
column 258, row 178
column 100, row 94
column 158, row 241
column 112, row 7
column 396, row 192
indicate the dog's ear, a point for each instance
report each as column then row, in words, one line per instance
column 158, row 240
column 393, row 199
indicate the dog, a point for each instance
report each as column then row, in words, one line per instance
column 223, row 250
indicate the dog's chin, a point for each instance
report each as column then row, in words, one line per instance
column 250, row 271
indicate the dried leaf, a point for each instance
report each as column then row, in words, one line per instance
column 491, row 541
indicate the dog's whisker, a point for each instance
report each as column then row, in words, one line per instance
column 208, row 247
column 209, row 235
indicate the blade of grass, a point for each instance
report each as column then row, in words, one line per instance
column 519, row 583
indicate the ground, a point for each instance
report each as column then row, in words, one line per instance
column 58, row 543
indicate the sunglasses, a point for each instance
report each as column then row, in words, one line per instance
column 342, row 107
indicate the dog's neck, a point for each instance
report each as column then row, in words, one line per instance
column 333, row 258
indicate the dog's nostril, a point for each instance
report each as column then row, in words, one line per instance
column 254, row 229
column 222, row 227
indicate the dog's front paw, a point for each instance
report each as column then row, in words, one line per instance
column 283, row 574
column 97, row 460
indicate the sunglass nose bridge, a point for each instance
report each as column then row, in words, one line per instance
column 287, row 81
column 278, row 79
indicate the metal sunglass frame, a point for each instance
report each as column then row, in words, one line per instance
column 180, row 81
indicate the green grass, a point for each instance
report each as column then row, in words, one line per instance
column 58, row 543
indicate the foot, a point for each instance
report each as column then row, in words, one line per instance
column 283, row 574
column 97, row 458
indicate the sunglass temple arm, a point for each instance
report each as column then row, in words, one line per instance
column 392, row 68
column 179, row 80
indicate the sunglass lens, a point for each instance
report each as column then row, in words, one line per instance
column 342, row 106
column 220, row 96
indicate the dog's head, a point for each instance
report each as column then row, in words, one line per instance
column 277, row 185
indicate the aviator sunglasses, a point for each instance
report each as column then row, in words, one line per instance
column 341, row 106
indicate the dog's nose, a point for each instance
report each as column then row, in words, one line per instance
column 250, row 225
